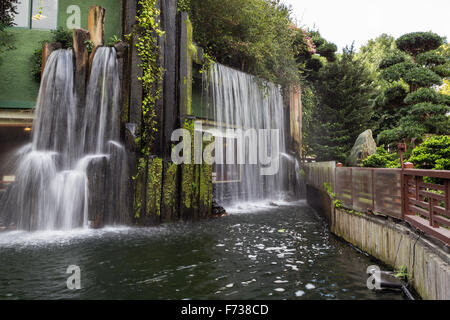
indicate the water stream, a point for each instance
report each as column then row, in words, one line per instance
column 51, row 191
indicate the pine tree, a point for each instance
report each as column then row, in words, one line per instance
column 412, row 105
column 346, row 89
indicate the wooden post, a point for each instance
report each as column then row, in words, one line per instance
column 96, row 22
column 373, row 189
column 47, row 49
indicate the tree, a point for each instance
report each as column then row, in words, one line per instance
column 345, row 91
column 8, row 8
column 382, row 159
column 412, row 102
column 255, row 36
column 434, row 154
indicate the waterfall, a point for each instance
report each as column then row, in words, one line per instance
column 54, row 187
column 239, row 100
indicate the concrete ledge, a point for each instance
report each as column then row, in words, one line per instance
column 398, row 245
column 394, row 243
column 320, row 201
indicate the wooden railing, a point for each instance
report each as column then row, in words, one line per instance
column 403, row 194
column 426, row 205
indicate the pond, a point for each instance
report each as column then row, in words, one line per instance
column 259, row 251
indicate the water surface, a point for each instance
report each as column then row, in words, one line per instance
column 258, row 252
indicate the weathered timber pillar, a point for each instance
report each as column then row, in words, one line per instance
column 81, row 54
column 47, row 49
column 295, row 117
column 96, row 173
column 169, row 25
column 96, row 22
column 170, row 192
column 128, row 15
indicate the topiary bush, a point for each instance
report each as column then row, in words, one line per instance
column 418, row 42
column 382, row 159
column 433, row 153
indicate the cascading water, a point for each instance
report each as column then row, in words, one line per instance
column 51, row 191
column 238, row 101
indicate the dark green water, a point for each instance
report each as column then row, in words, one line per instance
column 278, row 253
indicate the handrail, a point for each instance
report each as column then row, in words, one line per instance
column 400, row 193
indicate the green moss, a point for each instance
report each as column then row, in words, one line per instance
column 188, row 172
column 139, row 180
column 148, row 30
column 170, row 185
column 206, row 185
column 191, row 53
column 154, row 185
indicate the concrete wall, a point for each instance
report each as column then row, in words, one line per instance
column 393, row 243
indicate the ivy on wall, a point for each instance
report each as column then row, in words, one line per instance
column 148, row 29
column 146, row 33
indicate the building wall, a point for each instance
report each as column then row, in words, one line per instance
column 18, row 89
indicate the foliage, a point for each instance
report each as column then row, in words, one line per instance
column 417, row 108
column 89, row 45
column 184, row 5
column 445, row 89
column 345, row 89
column 402, row 273
column 391, row 60
column 433, row 153
column 329, row 189
column 60, row 35
column 8, row 8
column 148, row 50
column 64, row 36
column 113, row 40
column 382, row 159
column 146, row 31
column 312, row 52
column 254, row 36
column 419, row 42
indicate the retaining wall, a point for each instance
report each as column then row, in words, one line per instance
column 394, row 243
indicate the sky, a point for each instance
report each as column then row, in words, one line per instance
column 345, row 21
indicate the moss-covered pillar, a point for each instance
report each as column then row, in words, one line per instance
column 170, row 193
column 96, row 173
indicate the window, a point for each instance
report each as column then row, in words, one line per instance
column 29, row 8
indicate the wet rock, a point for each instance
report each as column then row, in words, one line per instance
column 96, row 173
column 364, row 147
column 217, row 210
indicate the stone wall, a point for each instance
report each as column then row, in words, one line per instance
column 396, row 244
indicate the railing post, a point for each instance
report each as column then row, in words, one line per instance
column 351, row 184
column 373, row 189
column 405, row 188
column 447, row 196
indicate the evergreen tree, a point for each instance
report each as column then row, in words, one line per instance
column 7, row 11
column 412, row 105
column 345, row 89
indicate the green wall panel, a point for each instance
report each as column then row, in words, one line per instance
column 113, row 18
column 18, row 89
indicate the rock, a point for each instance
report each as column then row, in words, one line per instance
column 364, row 147
column 217, row 210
